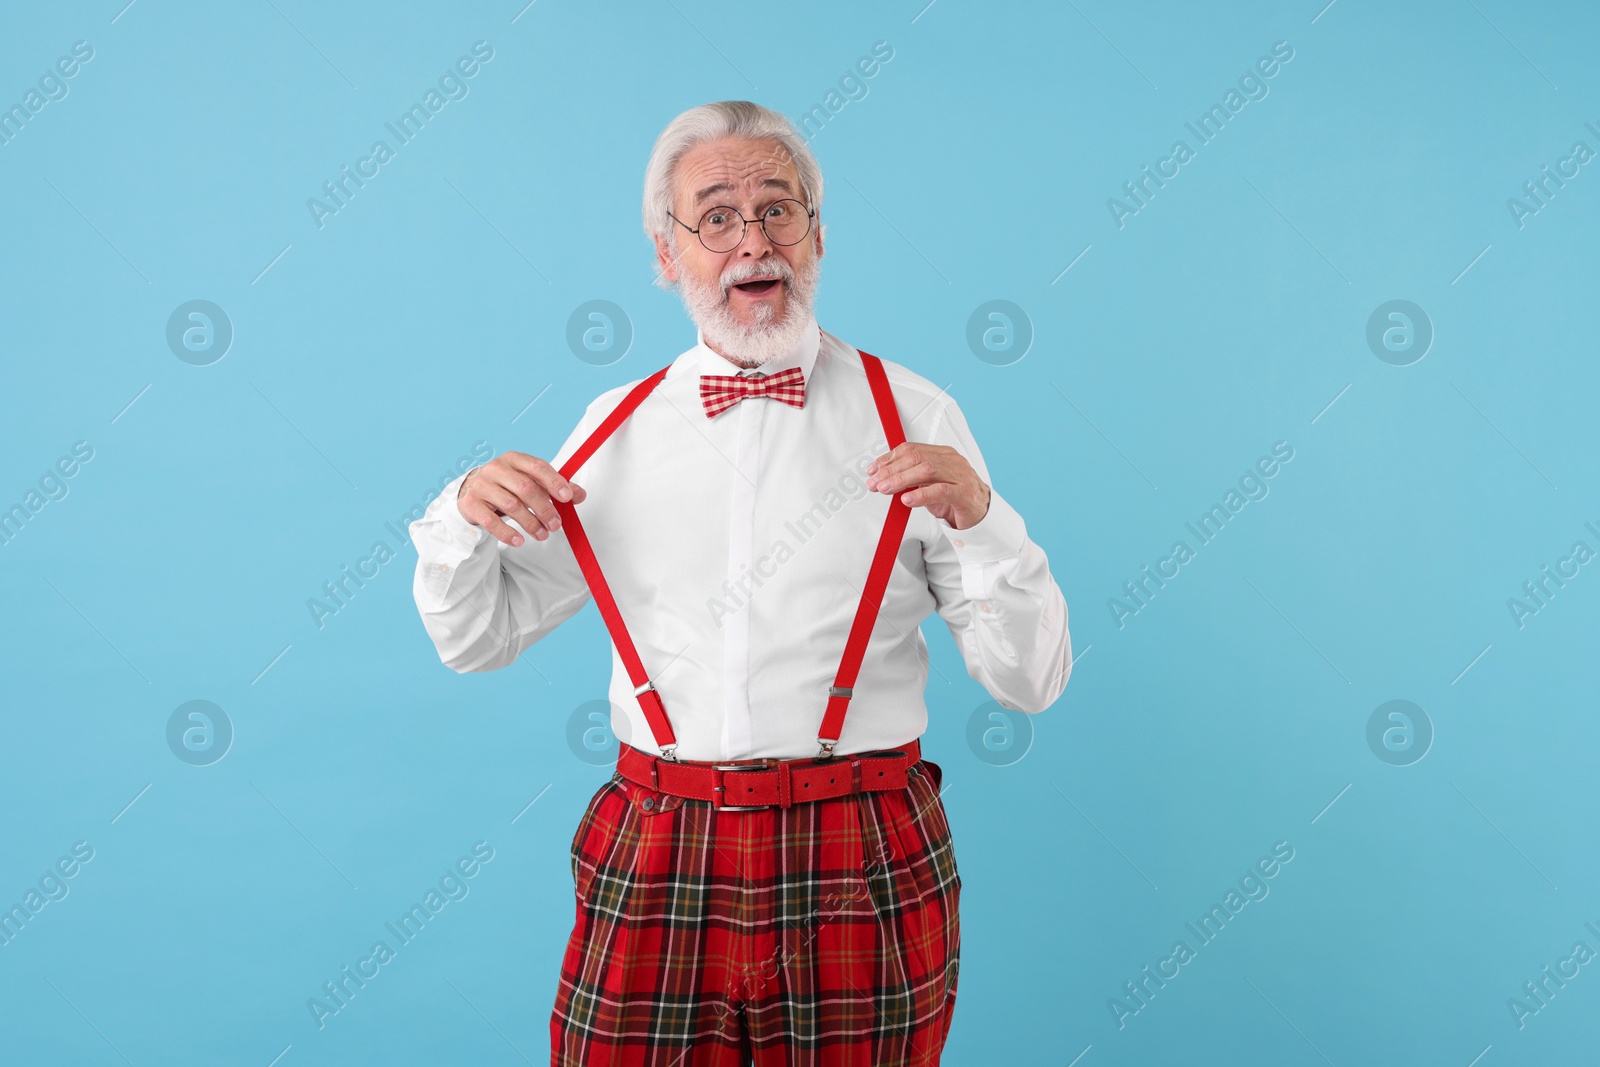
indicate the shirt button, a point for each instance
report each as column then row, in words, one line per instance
column 985, row 609
column 649, row 804
column 959, row 543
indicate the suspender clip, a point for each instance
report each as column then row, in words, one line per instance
column 841, row 691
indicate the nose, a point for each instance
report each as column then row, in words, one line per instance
column 754, row 245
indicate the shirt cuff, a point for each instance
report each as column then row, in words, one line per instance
column 454, row 522
column 999, row 535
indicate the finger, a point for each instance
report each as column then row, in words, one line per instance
column 887, row 464
column 904, row 457
column 898, row 450
column 520, row 493
column 548, row 478
column 478, row 513
column 927, row 495
column 491, row 499
column 908, row 473
column 514, row 507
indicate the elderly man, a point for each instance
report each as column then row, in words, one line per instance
column 764, row 524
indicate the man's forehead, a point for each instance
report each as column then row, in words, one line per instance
column 718, row 168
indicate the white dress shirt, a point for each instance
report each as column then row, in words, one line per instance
column 737, row 548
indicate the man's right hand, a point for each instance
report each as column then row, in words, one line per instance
column 517, row 486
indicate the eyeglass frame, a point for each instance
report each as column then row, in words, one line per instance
column 811, row 216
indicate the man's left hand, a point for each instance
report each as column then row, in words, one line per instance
column 939, row 478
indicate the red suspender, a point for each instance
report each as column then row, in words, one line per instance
column 855, row 648
column 894, row 526
column 655, row 712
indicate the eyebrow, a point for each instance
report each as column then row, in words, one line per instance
column 727, row 187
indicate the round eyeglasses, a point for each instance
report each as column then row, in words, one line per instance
column 721, row 229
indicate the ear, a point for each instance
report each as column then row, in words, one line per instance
column 665, row 258
column 821, row 229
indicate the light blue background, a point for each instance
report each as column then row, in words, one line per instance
column 1228, row 314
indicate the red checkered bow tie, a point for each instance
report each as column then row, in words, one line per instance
column 719, row 392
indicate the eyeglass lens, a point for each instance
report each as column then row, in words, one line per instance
column 786, row 223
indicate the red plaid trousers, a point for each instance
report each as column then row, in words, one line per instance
column 826, row 934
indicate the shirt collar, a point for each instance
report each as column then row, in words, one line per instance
column 701, row 359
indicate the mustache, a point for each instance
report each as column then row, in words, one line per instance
column 743, row 272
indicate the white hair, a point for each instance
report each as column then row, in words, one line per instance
column 713, row 122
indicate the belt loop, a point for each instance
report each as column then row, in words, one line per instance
column 855, row 774
column 655, row 778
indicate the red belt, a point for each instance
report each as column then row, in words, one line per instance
column 742, row 784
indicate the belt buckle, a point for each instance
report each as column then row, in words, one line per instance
column 765, row 765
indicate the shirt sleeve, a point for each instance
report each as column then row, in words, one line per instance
column 993, row 588
column 483, row 602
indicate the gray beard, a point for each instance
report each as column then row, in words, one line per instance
column 763, row 341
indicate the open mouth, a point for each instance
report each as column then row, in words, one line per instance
column 757, row 288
